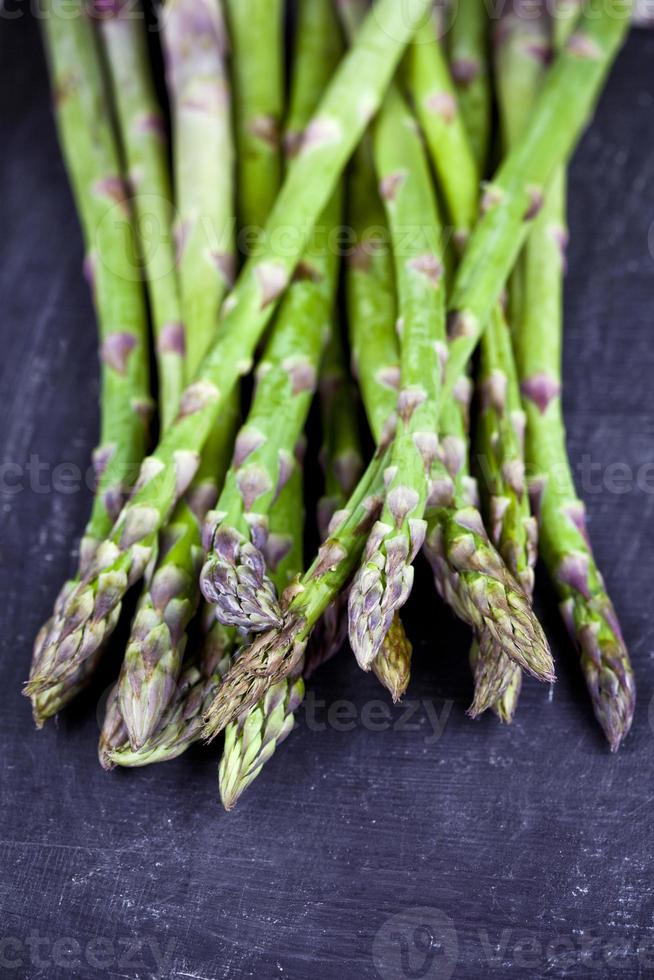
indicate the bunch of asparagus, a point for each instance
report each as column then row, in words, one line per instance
column 233, row 257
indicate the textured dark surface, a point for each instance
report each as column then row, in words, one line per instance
column 524, row 852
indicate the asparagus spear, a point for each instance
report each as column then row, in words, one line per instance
column 444, row 126
column 371, row 303
column 468, row 41
column 153, row 658
column 235, row 577
column 383, row 583
column 513, row 198
column 142, row 133
column 256, row 31
column 278, row 652
column 91, row 154
column 195, row 47
column 342, row 465
column 89, row 612
column 251, row 740
column 182, row 722
column 500, row 455
column 371, row 308
column 585, row 605
column 340, row 456
column 499, row 444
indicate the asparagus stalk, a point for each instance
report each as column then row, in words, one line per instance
column 182, row 722
column 468, row 50
column 444, row 126
column 235, row 576
column 371, row 302
column 195, row 48
column 153, row 659
column 90, row 611
column 342, row 465
column 371, row 309
column 499, row 443
column 251, row 740
column 513, row 198
column 278, row 652
column 256, row 31
column 142, row 132
column 565, row 548
column 383, row 583
column 340, row 456
column 500, row 456
column 91, row 154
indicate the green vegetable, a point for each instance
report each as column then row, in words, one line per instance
column 89, row 613
column 143, row 139
column 256, row 31
column 92, row 160
column 564, row 546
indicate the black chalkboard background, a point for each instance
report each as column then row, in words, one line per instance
column 407, row 842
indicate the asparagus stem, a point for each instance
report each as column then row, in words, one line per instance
column 182, row 722
column 90, row 611
column 256, row 31
column 585, row 605
column 444, row 127
column 384, row 581
column 142, row 134
column 371, row 305
column 92, row 160
column 342, row 464
column 513, row 198
column 499, row 444
column 251, row 740
column 500, row 458
column 234, row 577
column 341, row 456
column 370, row 288
column 468, row 50
column 277, row 653
column 195, row 44
column 153, row 658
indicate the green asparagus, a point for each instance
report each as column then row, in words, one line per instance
column 90, row 611
column 384, row 581
column 92, row 159
column 585, row 605
column 143, row 138
column 256, row 31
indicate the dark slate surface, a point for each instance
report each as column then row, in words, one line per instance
column 524, row 852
